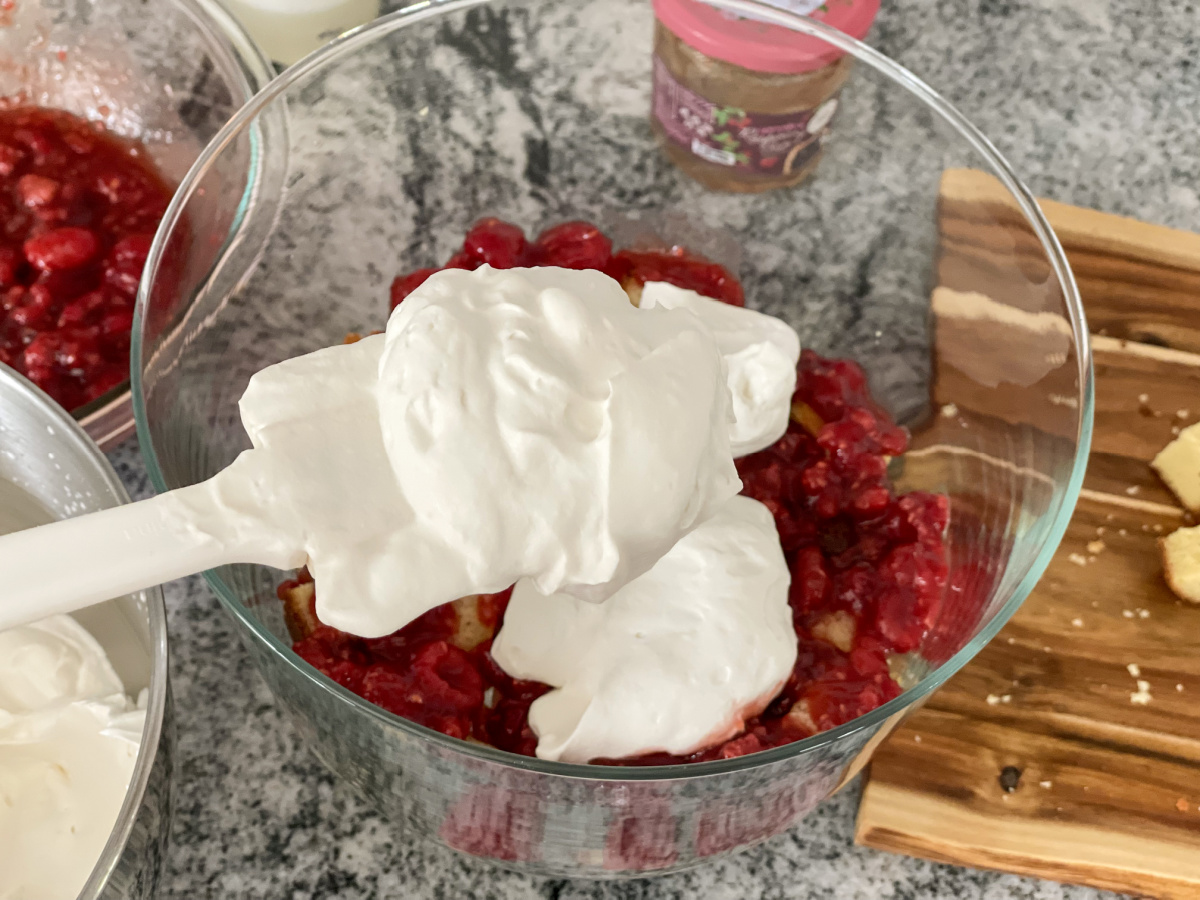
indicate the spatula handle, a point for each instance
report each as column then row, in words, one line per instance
column 74, row 563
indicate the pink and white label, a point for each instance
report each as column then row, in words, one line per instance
column 758, row 143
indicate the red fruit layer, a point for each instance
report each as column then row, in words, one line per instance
column 577, row 245
column 868, row 567
column 78, row 209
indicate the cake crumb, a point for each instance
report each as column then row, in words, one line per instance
column 1046, row 784
column 1006, row 698
column 1143, row 613
column 1110, row 517
column 1157, row 528
column 1077, row 622
column 1181, row 805
column 1012, row 640
column 1122, row 532
column 1100, row 529
column 1179, row 687
column 992, row 699
column 1132, row 490
column 1095, row 546
column 1134, row 669
column 1078, row 558
column 1142, row 696
column 1143, row 399
column 949, row 410
column 1182, row 413
column 1175, row 429
column 1127, row 613
column 917, row 738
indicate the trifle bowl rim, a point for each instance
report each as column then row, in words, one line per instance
column 1066, row 495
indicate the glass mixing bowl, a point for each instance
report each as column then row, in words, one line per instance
column 914, row 249
column 168, row 73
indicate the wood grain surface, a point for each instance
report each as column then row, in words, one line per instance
column 1045, row 756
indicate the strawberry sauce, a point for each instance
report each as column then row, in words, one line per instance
column 78, row 210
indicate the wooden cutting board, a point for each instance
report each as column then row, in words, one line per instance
column 1043, row 757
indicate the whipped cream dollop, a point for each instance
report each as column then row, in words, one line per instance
column 760, row 354
column 675, row 661
column 69, row 739
column 517, row 424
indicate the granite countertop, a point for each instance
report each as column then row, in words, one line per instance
column 1094, row 103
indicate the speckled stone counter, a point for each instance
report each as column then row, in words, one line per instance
column 1095, row 102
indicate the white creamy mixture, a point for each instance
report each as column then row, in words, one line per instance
column 675, row 661
column 760, row 354
column 69, row 740
column 531, row 426
column 526, row 423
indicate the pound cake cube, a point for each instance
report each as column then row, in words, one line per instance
column 1178, row 465
column 1181, row 562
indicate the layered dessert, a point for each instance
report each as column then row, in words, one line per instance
column 762, row 620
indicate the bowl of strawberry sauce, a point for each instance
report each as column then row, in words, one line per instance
column 933, row 451
column 102, row 111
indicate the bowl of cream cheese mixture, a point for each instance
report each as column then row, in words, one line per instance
column 629, row 513
column 86, row 725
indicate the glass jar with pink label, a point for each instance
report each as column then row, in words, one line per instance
column 743, row 105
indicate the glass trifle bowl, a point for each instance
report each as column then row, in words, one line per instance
column 913, row 250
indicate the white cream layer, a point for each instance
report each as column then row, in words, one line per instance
column 761, row 353
column 517, row 424
column 675, row 661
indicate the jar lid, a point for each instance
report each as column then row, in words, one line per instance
column 761, row 46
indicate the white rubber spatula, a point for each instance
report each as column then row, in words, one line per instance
column 74, row 563
column 309, row 469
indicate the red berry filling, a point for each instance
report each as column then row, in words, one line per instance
column 577, row 245
column 78, row 209
column 868, row 567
